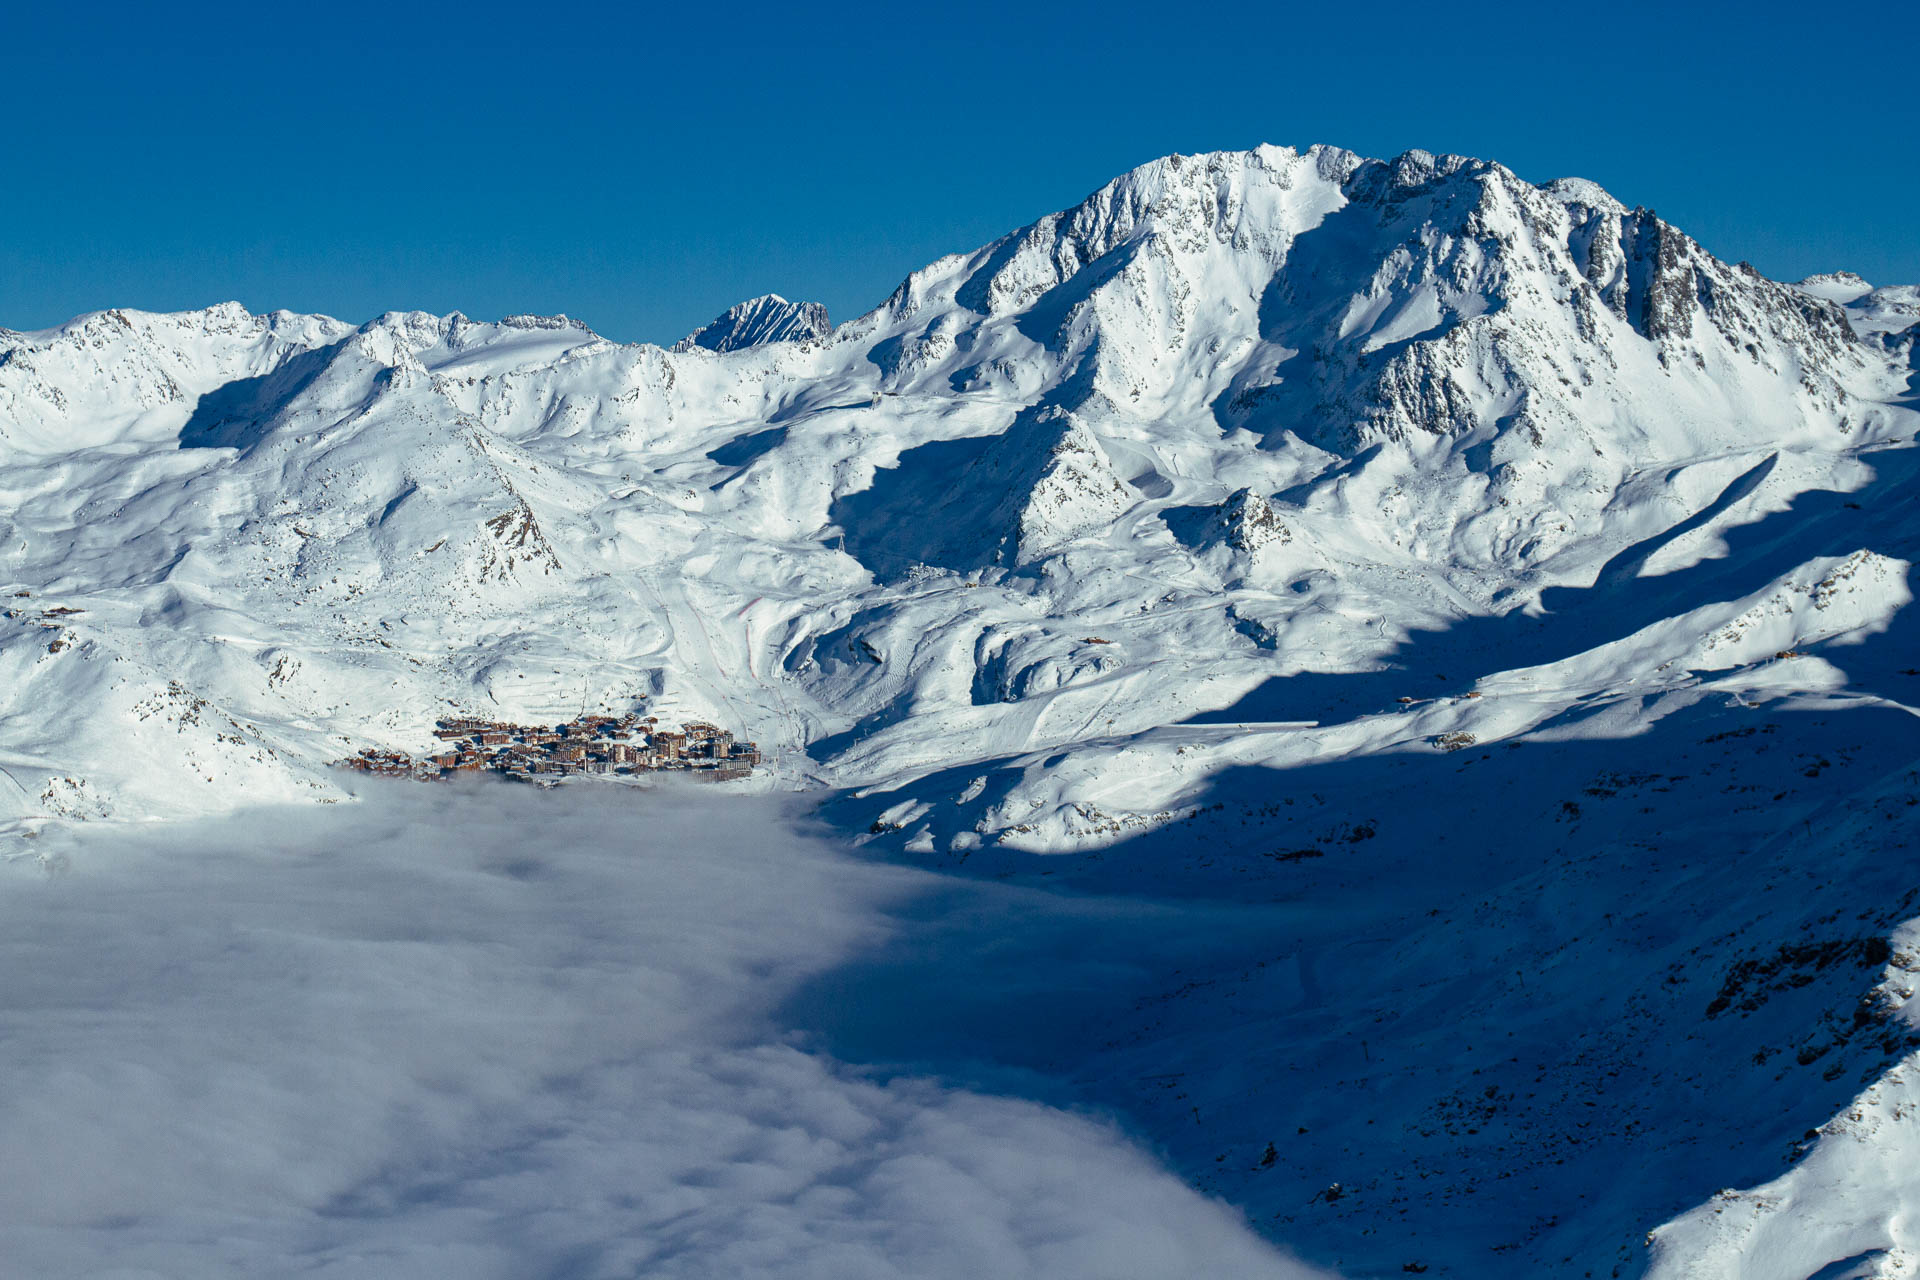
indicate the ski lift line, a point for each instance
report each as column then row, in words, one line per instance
column 16, row 782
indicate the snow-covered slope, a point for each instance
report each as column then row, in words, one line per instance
column 1249, row 466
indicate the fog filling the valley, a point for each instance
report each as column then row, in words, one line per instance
column 488, row 1032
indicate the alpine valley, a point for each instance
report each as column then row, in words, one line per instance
column 1488, row 601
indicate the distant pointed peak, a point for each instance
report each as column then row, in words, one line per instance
column 758, row 321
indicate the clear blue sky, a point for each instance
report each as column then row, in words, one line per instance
column 644, row 169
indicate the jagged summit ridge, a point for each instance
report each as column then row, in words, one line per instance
column 757, row 322
column 1250, row 463
column 1836, row 286
column 1424, row 362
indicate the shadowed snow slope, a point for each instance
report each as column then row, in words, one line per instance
column 1145, row 533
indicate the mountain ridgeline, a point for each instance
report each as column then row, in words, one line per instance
column 1254, row 526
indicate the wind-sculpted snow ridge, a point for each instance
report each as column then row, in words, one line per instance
column 1146, row 533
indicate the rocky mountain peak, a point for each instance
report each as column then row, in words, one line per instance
column 1836, row 286
column 757, row 322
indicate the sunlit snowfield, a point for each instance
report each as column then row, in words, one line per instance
column 483, row 1032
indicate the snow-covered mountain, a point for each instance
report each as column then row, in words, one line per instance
column 769, row 318
column 1250, row 527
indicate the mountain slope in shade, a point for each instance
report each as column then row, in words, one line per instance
column 1259, row 501
column 757, row 321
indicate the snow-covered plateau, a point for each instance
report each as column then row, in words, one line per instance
column 1470, row 603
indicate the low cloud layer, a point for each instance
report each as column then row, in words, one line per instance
column 485, row 1033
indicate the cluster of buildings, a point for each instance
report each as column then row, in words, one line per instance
column 591, row 744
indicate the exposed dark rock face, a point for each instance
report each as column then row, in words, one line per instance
column 758, row 321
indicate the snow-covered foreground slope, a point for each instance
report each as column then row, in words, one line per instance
column 1260, row 501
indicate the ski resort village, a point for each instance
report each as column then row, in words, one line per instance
column 600, row 744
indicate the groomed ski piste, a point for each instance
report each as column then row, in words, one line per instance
column 1475, row 612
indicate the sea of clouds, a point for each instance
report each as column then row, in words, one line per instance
column 484, row 1032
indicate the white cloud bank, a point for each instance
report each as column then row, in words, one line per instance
column 484, row 1033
